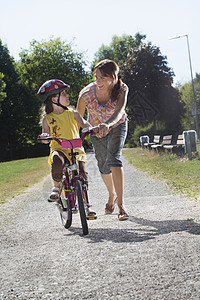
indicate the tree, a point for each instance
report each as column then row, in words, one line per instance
column 19, row 111
column 188, row 120
column 2, row 88
column 53, row 59
column 119, row 48
column 146, row 72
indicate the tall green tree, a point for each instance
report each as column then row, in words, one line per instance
column 188, row 120
column 2, row 89
column 119, row 48
column 53, row 59
column 146, row 72
column 18, row 110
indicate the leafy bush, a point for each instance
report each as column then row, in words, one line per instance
column 139, row 131
column 87, row 143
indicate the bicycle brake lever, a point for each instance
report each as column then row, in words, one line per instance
column 48, row 138
column 86, row 129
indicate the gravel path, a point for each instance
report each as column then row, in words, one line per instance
column 153, row 255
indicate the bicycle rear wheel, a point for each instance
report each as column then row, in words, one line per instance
column 66, row 212
column 79, row 194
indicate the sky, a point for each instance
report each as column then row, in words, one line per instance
column 91, row 23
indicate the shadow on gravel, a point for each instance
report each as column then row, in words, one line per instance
column 146, row 231
column 114, row 235
column 165, row 227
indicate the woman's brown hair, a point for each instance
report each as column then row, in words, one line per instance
column 109, row 67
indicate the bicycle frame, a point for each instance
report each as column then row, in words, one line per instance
column 70, row 176
column 70, row 172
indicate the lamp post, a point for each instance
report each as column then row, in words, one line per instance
column 194, row 104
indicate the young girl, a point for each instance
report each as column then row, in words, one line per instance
column 59, row 121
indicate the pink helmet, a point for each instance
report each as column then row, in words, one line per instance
column 51, row 87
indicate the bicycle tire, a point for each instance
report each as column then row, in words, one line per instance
column 66, row 214
column 79, row 195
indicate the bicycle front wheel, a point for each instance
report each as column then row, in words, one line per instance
column 66, row 213
column 79, row 194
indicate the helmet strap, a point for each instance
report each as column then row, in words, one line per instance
column 64, row 107
column 58, row 103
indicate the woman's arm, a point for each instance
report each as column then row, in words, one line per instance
column 119, row 109
column 81, row 107
column 116, row 116
column 80, row 120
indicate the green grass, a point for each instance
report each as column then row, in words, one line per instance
column 17, row 175
column 180, row 174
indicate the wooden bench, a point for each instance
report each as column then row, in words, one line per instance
column 156, row 140
column 179, row 147
column 180, row 142
column 167, row 140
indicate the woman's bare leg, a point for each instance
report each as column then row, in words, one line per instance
column 108, row 180
column 118, row 182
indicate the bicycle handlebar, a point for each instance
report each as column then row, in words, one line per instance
column 48, row 138
column 71, row 143
column 86, row 131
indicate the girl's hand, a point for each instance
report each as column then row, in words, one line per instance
column 44, row 135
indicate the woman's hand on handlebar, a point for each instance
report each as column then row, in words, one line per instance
column 91, row 130
column 103, row 129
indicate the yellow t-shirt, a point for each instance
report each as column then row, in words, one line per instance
column 64, row 126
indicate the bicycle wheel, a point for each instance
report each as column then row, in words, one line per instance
column 66, row 212
column 79, row 194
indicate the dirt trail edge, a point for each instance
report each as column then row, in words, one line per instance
column 153, row 255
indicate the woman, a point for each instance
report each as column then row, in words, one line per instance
column 105, row 100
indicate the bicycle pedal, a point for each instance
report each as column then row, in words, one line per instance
column 74, row 210
column 91, row 217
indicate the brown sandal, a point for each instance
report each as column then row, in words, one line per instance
column 123, row 215
column 110, row 208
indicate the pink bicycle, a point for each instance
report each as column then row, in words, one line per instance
column 73, row 187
